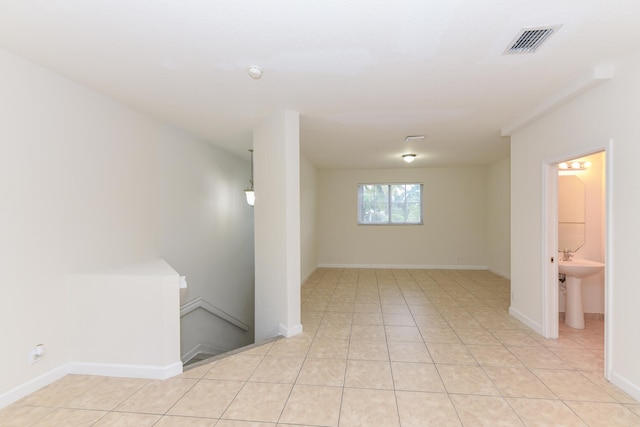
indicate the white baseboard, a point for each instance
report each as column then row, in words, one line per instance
column 625, row 385
column 526, row 320
column 407, row 266
column 127, row 371
column 500, row 273
column 32, row 386
column 289, row 332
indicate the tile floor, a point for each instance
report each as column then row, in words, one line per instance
column 379, row 348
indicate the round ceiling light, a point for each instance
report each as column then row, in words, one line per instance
column 255, row 72
column 409, row 157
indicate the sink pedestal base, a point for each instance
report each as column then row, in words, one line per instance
column 574, row 314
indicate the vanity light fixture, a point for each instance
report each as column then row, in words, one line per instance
column 574, row 165
column 248, row 192
column 409, row 157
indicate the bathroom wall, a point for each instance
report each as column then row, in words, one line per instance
column 593, row 249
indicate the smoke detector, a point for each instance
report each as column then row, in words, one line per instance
column 255, row 72
column 529, row 40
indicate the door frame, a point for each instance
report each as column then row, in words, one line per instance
column 549, row 325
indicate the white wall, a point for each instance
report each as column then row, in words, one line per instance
column 80, row 186
column 206, row 234
column 498, row 218
column 276, row 144
column 308, row 219
column 609, row 111
column 454, row 233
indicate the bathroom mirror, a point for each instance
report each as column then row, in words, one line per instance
column 571, row 212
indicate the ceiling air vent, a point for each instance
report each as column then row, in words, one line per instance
column 529, row 40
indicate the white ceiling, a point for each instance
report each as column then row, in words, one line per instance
column 362, row 73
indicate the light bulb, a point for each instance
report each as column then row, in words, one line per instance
column 408, row 157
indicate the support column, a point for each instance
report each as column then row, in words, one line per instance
column 276, row 151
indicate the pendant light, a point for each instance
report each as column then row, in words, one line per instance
column 248, row 192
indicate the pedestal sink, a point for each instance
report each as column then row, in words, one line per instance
column 576, row 270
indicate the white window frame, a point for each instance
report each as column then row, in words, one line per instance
column 389, row 203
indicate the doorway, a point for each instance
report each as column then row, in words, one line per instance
column 552, row 299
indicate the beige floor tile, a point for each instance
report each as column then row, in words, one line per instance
column 368, row 374
column 431, row 321
column 365, row 407
column 416, row 377
column 277, row 369
column 454, row 354
column 157, row 397
column 604, row 414
column 368, row 333
column 465, row 379
column 598, row 379
column 208, row 398
column 333, row 331
column 518, row 382
column 174, row 421
column 635, row 408
column 426, row 409
column 343, row 318
column 514, row 338
column 581, row 359
column 403, row 333
column 313, row 405
column 342, row 304
column 545, row 413
column 236, row 423
column 490, row 355
column 439, row 335
column 572, row 385
column 18, row 416
column 366, row 350
column 198, row 371
column 61, row 392
column 409, row 352
column 485, row 411
column 259, row 402
column 476, row 337
column 395, row 308
column 234, row 368
column 538, row 357
column 398, row 319
column 123, row 419
column 108, row 394
column 463, row 322
column 367, row 319
column 323, row 372
column 299, row 346
column 369, row 308
column 327, row 348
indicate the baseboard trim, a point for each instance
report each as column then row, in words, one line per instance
column 127, row 371
column 625, row 385
column 526, row 320
column 500, row 273
column 289, row 332
column 407, row 266
column 32, row 386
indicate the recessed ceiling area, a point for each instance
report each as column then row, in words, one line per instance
column 363, row 74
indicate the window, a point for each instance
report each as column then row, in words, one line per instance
column 390, row 204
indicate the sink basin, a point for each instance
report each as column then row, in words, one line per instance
column 580, row 268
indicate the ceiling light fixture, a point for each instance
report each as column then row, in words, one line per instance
column 414, row 138
column 409, row 157
column 255, row 72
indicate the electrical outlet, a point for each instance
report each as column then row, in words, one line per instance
column 36, row 353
